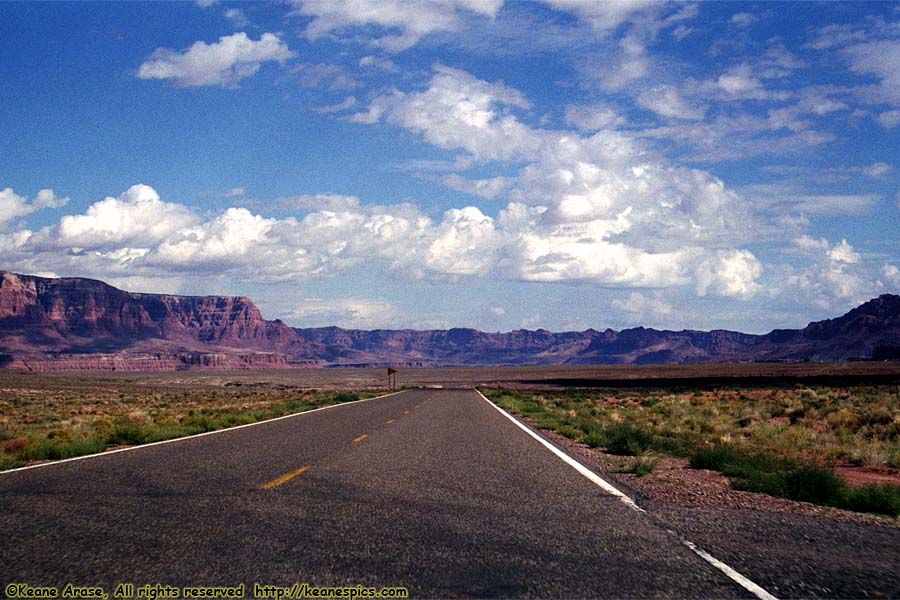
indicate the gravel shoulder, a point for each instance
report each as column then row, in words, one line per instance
column 792, row 549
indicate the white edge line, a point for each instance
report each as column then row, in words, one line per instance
column 607, row 486
column 745, row 583
column 189, row 437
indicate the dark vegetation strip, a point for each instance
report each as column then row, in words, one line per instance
column 763, row 441
column 706, row 382
column 121, row 430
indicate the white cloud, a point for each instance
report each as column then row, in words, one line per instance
column 486, row 188
column 744, row 19
column 318, row 75
column 237, row 17
column 321, row 202
column 731, row 273
column 592, row 118
column 344, row 105
column 629, row 64
column 349, row 313
column 48, row 199
column 14, row 206
column 835, row 279
column 378, row 62
column 889, row 118
column 739, row 83
column 459, row 111
column 605, row 17
column 136, row 218
column 639, row 308
column 585, row 208
column 222, row 63
column 411, row 20
column 882, row 60
column 666, row 101
column 826, row 204
column 878, row 169
column 891, row 275
column 465, row 243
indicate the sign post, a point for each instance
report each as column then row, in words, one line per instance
column 392, row 378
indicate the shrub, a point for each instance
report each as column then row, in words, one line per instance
column 15, row 444
column 642, row 465
column 816, row 485
column 713, row 459
column 345, row 397
column 880, row 499
column 595, row 439
column 626, row 440
column 126, row 431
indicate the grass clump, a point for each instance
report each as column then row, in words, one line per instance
column 345, row 397
column 626, row 440
column 73, row 425
column 777, row 439
column 641, row 465
column 777, row 476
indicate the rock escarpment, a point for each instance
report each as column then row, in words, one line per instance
column 84, row 324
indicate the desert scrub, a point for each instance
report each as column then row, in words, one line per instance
column 67, row 423
column 765, row 439
column 641, row 465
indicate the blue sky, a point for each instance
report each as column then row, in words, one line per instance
column 487, row 163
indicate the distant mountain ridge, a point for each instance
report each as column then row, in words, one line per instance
column 85, row 324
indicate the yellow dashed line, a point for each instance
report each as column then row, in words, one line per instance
column 390, row 421
column 360, row 438
column 283, row 478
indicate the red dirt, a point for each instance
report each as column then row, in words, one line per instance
column 860, row 476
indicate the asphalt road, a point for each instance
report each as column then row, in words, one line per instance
column 434, row 490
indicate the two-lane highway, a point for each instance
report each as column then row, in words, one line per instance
column 434, row 490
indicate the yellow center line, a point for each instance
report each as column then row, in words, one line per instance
column 390, row 421
column 360, row 438
column 405, row 412
column 283, row 478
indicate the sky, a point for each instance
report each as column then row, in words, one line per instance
column 497, row 164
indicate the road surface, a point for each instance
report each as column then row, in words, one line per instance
column 433, row 490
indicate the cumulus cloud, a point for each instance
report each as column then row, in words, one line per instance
column 460, row 111
column 136, row 218
column 880, row 59
column 826, row 204
column 411, row 20
column 605, row 17
column 599, row 207
column 349, row 313
column 836, row 277
column 730, row 273
column 223, row 63
column 592, row 118
column 744, row 19
column 642, row 309
column 584, row 208
column 891, row 275
column 889, row 118
column 666, row 101
column 878, row 169
column 237, row 17
column 486, row 188
column 14, row 206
